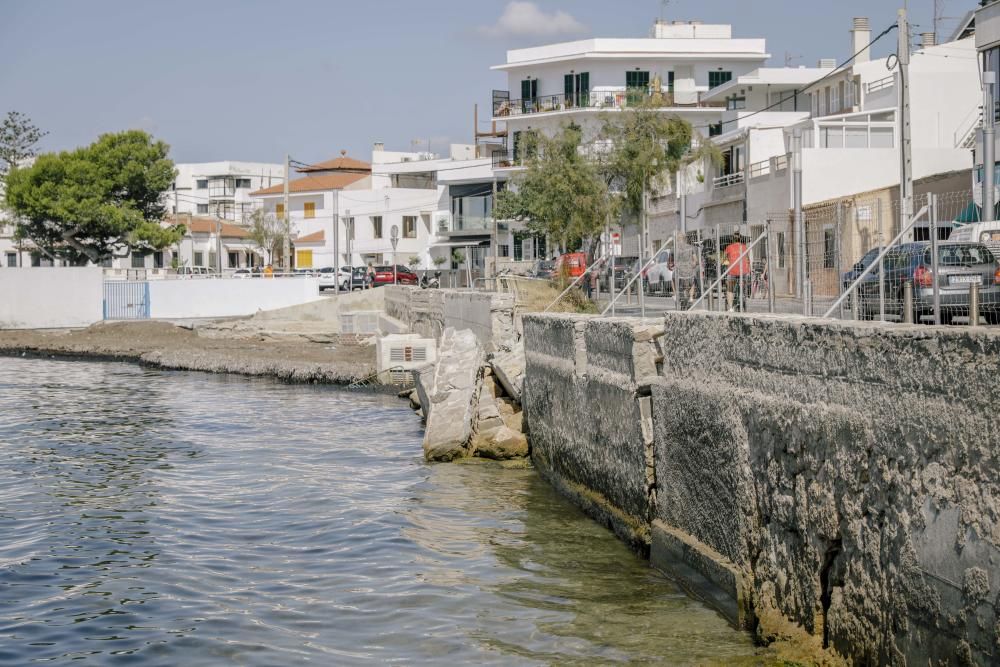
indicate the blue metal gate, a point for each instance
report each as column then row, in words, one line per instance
column 126, row 300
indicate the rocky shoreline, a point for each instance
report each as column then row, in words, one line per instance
column 330, row 360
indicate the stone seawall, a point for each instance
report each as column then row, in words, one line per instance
column 429, row 312
column 844, row 477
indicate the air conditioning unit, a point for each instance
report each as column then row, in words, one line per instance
column 399, row 356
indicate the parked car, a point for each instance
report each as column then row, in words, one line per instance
column 384, row 275
column 622, row 267
column 959, row 265
column 659, row 275
column 243, row 273
column 327, row 279
column 357, row 280
column 303, row 273
column 848, row 277
column 544, row 269
column 571, row 264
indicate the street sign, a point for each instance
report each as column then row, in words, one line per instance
column 394, row 239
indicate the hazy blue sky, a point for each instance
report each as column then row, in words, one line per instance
column 251, row 80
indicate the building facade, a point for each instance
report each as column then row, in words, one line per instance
column 220, row 189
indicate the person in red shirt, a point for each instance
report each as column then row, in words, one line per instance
column 738, row 268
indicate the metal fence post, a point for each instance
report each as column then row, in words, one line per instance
column 839, row 249
column 932, row 202
column 881, row 264
column 767, row 268
column 907, row 302
column 973, row 305
column 718, row 271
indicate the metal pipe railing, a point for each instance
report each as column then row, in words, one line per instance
column 876, row 262
column 729, row 268
column 638, row 274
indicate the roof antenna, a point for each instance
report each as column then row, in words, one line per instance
column 663, row 10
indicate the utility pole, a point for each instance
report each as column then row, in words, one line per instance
column 286, row 249
column 800, row 231
column 496, row 235
column 989, row 148
column 905, row 160
column 683, row 202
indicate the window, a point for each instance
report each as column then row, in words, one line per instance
column 212, row 261
column 781, row 250
column 138, row 261
column 202, row 208
column 12, row 259
column 814, row 103
column 202, row 184
column 350, row 228
column 718, row 78
column 309, row 209
column 670, row 81
column 504, row 250
column 637, row 79
column 736, row 103
column 158, row 259
column 376, row 226
column 303, row 259
column 576, row 88
column 243, row 183
column 199, row 259
column 409, row 226
column 829, row 249
column 835, row 97
column 234, row 259
column 279, row 211
column 715, row 129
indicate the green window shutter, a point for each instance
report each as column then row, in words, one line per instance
column 568, row 86
column 526, row 90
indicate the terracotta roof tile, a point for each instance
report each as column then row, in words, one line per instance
column 208, row 225
column 317, row 182
column 315, row 237
column 342, row 163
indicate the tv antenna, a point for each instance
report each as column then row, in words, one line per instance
column 790, row 58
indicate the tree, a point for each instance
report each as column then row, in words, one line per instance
column 414, row 261
column 562, row 193
column 18, row 137
column 96, row 202
column 266, row 231
column 645, row 148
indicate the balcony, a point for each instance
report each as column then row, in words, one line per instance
column 728, row 180
column 612, row 99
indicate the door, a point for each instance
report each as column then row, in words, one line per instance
column 126, row 300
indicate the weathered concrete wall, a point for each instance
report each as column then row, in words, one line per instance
column 41, row 298
column 429, row 312
column 845, row 475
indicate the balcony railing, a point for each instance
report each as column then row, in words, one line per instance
column 881, row 84
column 728, row 180
column 758, row 169
column 595, row 99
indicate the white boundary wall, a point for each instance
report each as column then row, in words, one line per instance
column 227, row 297
column 46, row 298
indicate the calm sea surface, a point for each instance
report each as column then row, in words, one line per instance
column 168, row 518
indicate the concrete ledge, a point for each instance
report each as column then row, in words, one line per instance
column 702, row 571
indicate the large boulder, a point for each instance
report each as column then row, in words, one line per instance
column 508, row 368
column 448, row 395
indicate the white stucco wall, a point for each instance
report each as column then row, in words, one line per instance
column 226, row 297
column 44, row 298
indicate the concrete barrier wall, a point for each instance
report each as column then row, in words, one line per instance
column 429, row 311
column 225, row 297
column 842, row 476
column 40, row 298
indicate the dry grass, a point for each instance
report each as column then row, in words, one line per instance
column 535, row 295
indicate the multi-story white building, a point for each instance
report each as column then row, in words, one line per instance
column 220, row 189
column 674, row 68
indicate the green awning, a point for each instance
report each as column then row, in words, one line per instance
column 973, row 213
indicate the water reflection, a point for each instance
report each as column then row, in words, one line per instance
column 192, row 519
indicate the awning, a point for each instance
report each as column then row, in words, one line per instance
column 973, row 213
column 460, row 244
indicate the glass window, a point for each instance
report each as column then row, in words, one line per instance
column 199, row 259
column 279, row 211
column 637, row 79
column 309, row 209
column 138, row 261
column 831, row 137
column 409, row 226
column 856, row 137
column 736, row 103
column 234, row 259
column 242, row 182
column 202, row 184
column 202, row 208
column 376, row 226
column 717, row 78
column 158, row 259
column 881, row 137
column 12, row 259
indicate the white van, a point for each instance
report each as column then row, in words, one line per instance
column 987, row 233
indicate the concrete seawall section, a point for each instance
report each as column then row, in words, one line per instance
column 839, row 477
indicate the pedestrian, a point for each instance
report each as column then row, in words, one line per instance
column 739, row 273
column 268, row 271
column 369, row 276
column 593, row 281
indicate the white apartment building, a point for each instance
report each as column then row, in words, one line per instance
column 675, row 67
column 220, row 189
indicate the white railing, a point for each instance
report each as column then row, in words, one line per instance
column 781, row 162
column 728, row 180
column 967, row 127
column 881, row 84
column 758, row 169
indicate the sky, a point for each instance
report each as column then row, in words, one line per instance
column 250, row 80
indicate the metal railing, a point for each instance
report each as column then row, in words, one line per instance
column 880, row 84
column 728, row 180
column 762, row 168
column 596, row 99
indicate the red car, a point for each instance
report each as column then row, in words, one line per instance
column 572, row 264
column 384, row 275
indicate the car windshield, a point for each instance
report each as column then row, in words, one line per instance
column 548, row 264
column 961, row 255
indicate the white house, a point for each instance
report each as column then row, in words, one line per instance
column 220, row 189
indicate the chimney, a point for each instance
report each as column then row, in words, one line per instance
column 379, row 146
column 861, row 35
column 827, row 63
column 928, row 39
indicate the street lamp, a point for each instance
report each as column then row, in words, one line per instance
column 394, row 239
